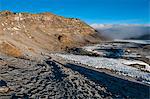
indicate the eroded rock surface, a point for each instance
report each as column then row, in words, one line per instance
column 36, row 33
column 49, row 79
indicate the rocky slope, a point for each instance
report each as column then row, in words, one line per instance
column 23, row 34
column 58, row 79
column 48, row 76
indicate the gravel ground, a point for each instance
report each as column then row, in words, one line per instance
column 49, row 79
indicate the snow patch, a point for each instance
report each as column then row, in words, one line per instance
column 134, row 41
column 120, row 66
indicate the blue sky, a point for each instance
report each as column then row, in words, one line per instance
column 91, row 11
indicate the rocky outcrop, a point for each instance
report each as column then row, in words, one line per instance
column 43, row 32
column 9, row 49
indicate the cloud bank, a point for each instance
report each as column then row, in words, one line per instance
column 123, row 31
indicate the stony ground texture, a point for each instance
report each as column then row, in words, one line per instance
column 49, row 79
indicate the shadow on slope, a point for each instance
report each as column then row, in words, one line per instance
column 120, row 88
column 58, row 74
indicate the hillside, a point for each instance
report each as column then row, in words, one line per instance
column 24, row 34
column 50, row 60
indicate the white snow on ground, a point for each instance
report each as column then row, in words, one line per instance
column 118, row 65
column 105, row 45
column 131, row 55
column 92, row 48
column 132, row 62
column 147, row 57
column 135, row 41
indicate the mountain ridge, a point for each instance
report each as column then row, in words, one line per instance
column 36, row 33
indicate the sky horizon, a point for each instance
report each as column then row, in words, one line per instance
column 90, row 11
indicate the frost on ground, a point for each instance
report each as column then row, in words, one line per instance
column 120, row 66
column 134, row 41
column 146, row 66
column 102, row 49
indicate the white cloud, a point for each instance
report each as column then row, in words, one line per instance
column 122, row 31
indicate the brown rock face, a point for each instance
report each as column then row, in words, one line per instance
column 44, row 31
column 9, row 49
